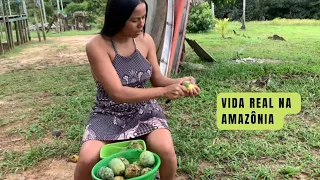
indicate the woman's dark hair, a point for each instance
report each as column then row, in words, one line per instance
column 117, row 13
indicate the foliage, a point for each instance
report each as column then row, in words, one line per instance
column 200, row 18
column 100, row 22
column 221, row 25
column 270, row 9
column 221, row 3
column 95, row 8
column 73, row 7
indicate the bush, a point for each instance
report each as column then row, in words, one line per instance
column 100, row 22
column 200, row 18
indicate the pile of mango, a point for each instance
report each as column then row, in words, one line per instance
column 120, row 168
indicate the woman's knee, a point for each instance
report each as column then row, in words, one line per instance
column 167, row 153
column 90, row 153
column 165, row 147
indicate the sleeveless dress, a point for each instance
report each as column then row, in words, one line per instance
column 123, row 121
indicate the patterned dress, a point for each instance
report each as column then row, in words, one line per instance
column 122, row 121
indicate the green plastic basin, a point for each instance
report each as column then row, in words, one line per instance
column 110, row 149
column 131, row 155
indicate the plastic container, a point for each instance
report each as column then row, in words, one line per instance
column 110, row 149
column 131, row 155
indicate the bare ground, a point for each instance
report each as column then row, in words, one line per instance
column 16, row 115
column 63, row 51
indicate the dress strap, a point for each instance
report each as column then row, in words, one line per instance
column 134, row 41
column 114, row 46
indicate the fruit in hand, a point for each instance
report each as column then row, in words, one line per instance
column 188, row 85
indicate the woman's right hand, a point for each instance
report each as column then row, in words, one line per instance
column 174, row 91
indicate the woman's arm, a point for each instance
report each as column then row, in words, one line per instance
column 157, row 79
column 105, row 73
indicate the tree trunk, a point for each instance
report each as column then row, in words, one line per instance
column 243, row 27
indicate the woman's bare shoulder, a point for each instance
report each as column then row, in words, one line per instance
column 147, row 40
column 97, row 43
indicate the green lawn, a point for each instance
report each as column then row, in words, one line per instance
column 300, row 45
column 204, row 151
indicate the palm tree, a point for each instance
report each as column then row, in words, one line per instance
column 243, row 27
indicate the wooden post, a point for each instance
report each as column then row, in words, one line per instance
column 25, row 22
column 10, row 32
column 21, row 29
column 4, row 17
column 1, row 46
column 42, row 23
column 9, row 7
column 24, row 30
column 36, row 19
column 16, row 25
column 44, row 11
column 28, row 31
column 3, row 20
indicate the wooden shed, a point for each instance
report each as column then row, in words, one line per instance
column 14, row 29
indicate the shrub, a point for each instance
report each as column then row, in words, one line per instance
column 200, row 18
column 221, row 26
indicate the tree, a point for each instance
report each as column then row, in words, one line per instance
column 243, row 26
column 221, row 2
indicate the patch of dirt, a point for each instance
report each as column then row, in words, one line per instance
column 51, row 169
column 63, row 51
column 182, row 177
column 256, row 60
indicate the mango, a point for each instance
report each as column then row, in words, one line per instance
column 188, row 85
column 145, row 170
column 132, row 171
column 117, row 166
column 147, row 159
column 118, row 178
column 105, row 173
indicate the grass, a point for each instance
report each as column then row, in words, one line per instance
column 204, row 152
column 300, row 44
column 52, row 33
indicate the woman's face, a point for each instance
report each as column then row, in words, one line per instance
column 134, row 25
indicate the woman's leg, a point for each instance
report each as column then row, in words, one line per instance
column 88, row 157
column 160, row 142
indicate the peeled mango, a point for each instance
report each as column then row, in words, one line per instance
column 188, row 85
column 106, row 173
column 146, row 159
column 117, row 166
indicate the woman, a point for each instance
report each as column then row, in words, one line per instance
column 122, row 59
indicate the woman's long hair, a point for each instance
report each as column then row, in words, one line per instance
column 117, row 13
